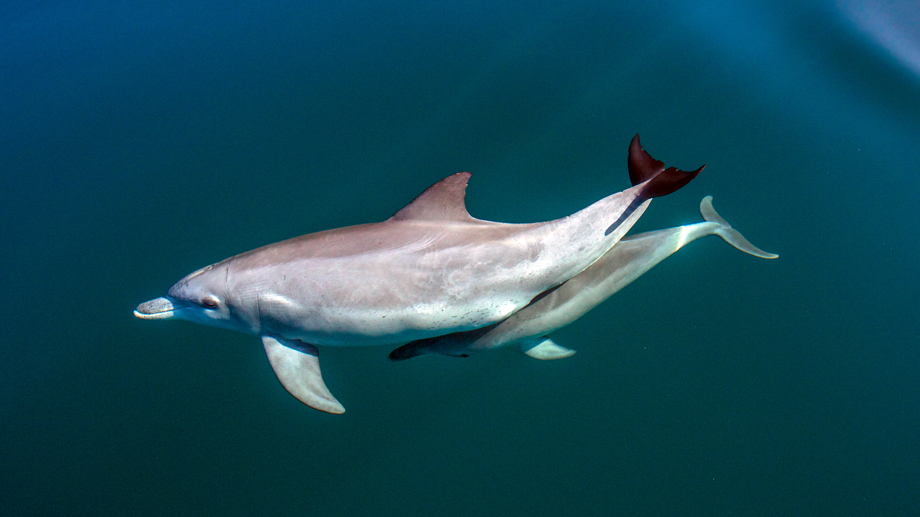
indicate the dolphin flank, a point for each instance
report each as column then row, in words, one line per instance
column 628, row 260
column 429, row 270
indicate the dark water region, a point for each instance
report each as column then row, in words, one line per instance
column 140, row 141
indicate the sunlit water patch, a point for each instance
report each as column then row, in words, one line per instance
column 894, row 25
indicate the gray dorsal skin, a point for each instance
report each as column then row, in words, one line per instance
column 625, row 262
column 431, row 269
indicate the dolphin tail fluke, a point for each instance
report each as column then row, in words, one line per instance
column 297, row 366
column 729, row 234
column 545, row 349
column 659, row 181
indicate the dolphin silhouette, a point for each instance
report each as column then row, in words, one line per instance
column 430, row 269
column 626, row 261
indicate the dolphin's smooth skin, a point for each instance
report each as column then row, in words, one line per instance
column 431, row 269
column 628, row 260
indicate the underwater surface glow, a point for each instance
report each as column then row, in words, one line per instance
column 894, row 25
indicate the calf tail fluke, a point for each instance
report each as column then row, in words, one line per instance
column 729, row 234
column 659, row 181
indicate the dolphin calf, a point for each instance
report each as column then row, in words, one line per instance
column 431, row 269
column 626, row 261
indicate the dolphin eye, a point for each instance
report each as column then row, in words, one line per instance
column 210, row 303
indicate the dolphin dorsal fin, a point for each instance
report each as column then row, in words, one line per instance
column 443, row 201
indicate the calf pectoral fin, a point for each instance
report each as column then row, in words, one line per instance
column 297, row 366
column 545, row 349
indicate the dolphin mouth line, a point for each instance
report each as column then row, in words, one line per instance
column 154, row 316
column 156, row 309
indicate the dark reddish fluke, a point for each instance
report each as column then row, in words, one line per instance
column 661, row 181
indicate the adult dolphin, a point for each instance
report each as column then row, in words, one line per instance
column 430, row 269
column 626, row 261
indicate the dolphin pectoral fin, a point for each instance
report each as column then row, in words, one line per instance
column 456, row 344
column 426, row 346
column 408, row 351
column 297, row 366
column 545, row 349
column 729, row 234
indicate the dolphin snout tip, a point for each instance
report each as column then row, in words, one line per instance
column 158, row 308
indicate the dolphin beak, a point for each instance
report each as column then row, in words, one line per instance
column 156, row 309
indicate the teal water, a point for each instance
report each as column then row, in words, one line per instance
column 140, row 141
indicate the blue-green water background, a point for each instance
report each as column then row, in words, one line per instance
column 141, row 140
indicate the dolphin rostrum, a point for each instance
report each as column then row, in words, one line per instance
column 626, row 261
column 431, row 269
